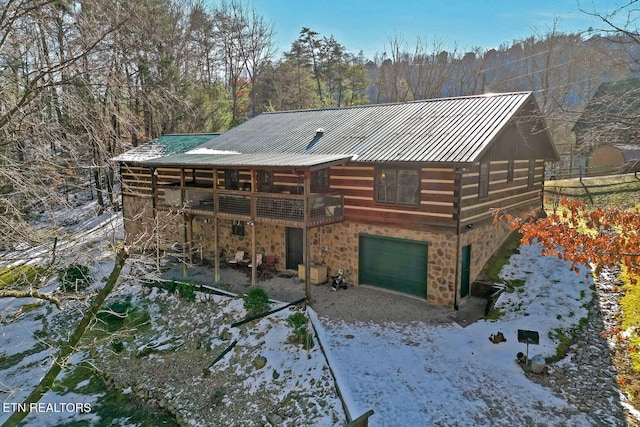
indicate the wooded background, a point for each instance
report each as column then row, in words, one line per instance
column 81, row 81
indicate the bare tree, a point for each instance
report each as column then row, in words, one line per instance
column 466, row 77
column 245, row 45
column 394, row 72
column 257, row 46
column 430, row 70
column 620, row 25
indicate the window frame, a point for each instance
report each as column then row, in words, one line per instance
column 231, row 179
column 396, row 188
column 321, row 180
column 484, row 178
column 237, row 227
column 265, row 181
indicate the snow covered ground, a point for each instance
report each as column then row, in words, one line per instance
column 453, row 376
column 409, row 374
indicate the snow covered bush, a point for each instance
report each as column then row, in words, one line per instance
column 256, row 300
column 300, row 335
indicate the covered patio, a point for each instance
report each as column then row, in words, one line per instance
column 249, row 190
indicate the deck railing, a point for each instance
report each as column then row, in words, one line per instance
column 261, row 207
column 233, row 203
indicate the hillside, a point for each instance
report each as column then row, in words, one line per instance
column 406, row 373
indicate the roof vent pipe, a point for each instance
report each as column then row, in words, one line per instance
column 319, row 132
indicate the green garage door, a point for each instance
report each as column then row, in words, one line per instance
column 397, row 264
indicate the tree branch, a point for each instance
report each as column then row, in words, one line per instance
column 10, row 293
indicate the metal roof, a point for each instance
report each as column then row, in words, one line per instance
column 450, row 130
column 630, row 152
column 613, row 102
column 248, row 160
column 165, row 145
column 437, row 130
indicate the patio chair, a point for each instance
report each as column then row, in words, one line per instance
column 238, row 258
column 271, row 262
column 258, row 261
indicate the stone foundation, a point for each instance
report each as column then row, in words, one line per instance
column 335, row 245
column 342, row 241
column 270, row 239
column 485, row 240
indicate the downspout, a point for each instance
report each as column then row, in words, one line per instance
column 455, row 283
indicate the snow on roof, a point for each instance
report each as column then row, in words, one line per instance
column 204, row 150
column 165, row 145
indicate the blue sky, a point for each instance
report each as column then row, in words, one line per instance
column 368, row 24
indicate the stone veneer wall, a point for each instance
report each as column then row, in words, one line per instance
column 143, row 232
column 138, row 219
column 485, row 240
column 341, row 241
column 269, row 239
column 137, row 215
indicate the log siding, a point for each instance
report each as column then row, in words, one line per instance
column 136, row 181
column 437, row 206
column 515, row 195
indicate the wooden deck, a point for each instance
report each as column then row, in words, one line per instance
column 285, row 209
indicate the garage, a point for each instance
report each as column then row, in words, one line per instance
column 395, row 264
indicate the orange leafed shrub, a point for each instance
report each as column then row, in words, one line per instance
column 599, row 237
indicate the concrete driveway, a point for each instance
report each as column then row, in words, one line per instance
column 355, row 304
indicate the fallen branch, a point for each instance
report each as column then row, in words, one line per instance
column 6, row 389
column 30, row 294
column 68, row 348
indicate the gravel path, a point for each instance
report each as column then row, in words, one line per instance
column 586, row 377
column 357, row 303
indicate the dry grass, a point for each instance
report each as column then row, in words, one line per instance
column 628, row 349
column 621, row 191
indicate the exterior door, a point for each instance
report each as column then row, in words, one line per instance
column 294, row 248
column 396, row 264
column 465, row 271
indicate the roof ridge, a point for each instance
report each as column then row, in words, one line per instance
column 414, row 101
column 189, row 134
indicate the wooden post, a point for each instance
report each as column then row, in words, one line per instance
column 155, row 223
column 362, row 420
column 184, row 223
column 216, row 257
column 254, row 264
column 305, row 236
column 190, row 239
